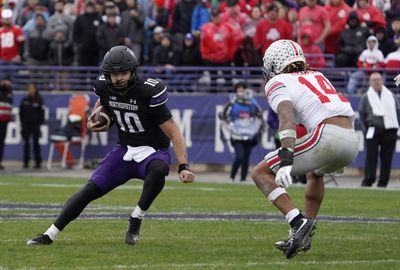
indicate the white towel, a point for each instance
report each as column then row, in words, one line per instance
column 384, row 106
column 138, row 154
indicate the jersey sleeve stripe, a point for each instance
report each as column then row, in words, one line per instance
column 155, row 96
column 274, row 87
column 158, row 104
column 159, row 98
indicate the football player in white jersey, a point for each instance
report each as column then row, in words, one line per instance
column 300, row 95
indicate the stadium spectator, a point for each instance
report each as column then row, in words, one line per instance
column 141, row 153
column 250, row 55
column 11, row 38
column 182, row 20
column 36, row 49
column 315, row 18
column 85, row 28
column 167, row 55
column 61, row 53
column 396, row 30
column 200, row 16
column 110, row 8
column 370, row 58
column 312, row 52
column 392, row 14
column 369, row 15
column 237, row 20
column 155, row 40
column 190, row 55
column 379, row 115
column 386, row 45
column 244, row 117
column 351, row 42
column 245, row 6
column 6, row 100
column 293, row 19
column 30, row 24
column 31, row 115
column 392, row 60
column 132, row 26
column 290, row 91
column 60, row 19
column 109, row 34
column 27, row 12
column 338, row 12
column 271, row 29
column 216, row 44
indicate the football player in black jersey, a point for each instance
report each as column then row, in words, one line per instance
column 145, row 130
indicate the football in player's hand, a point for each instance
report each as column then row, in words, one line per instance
column 103, row 116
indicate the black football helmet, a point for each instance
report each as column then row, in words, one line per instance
column 119, row 59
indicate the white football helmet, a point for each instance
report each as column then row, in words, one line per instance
column 279, row 55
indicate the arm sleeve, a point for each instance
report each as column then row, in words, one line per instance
column 275, row 93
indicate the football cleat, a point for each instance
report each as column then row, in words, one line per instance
column 42, row 239
column 284, row 245
column 132, row 235
column 299, row 236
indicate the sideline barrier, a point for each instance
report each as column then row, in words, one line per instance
column 181, row 79
column 196, row 115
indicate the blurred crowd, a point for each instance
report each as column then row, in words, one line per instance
column 199, row 32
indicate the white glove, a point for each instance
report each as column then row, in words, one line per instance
column 283, row 177
column 397, row 80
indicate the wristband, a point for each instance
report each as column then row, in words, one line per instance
column 183, row 166
column 287, row 133
column 286, row 156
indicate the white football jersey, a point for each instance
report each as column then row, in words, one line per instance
column 313, row 97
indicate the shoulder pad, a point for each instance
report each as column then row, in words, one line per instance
column 156, row 91
column 100, row 86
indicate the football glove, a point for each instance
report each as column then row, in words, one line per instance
column 397, row 80
column 283, row 177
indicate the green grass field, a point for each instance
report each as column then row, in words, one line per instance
column 358, row 229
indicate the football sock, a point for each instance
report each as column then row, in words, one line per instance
column 297, row 220
column 52, row 232
column 138, row 213
column 292, row 214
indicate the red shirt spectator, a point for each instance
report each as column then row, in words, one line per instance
column 271, row 29
column 244, row 5
column 369, row 15
column 237, row 20
column 216, row 40
column 338, row 11
column 11, row 36
column 315, row 18
column 393, row 59
column 312, row 52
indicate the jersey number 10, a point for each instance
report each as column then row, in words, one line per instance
column 325, row 88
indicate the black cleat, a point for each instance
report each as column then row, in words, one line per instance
column 299, row 236
column 284, row 245
column 132, row 235
column 42, row 239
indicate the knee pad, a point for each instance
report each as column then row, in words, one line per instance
column 157, row 168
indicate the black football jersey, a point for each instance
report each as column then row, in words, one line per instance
column 139, row 113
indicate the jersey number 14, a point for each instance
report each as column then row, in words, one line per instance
column 325, row 88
